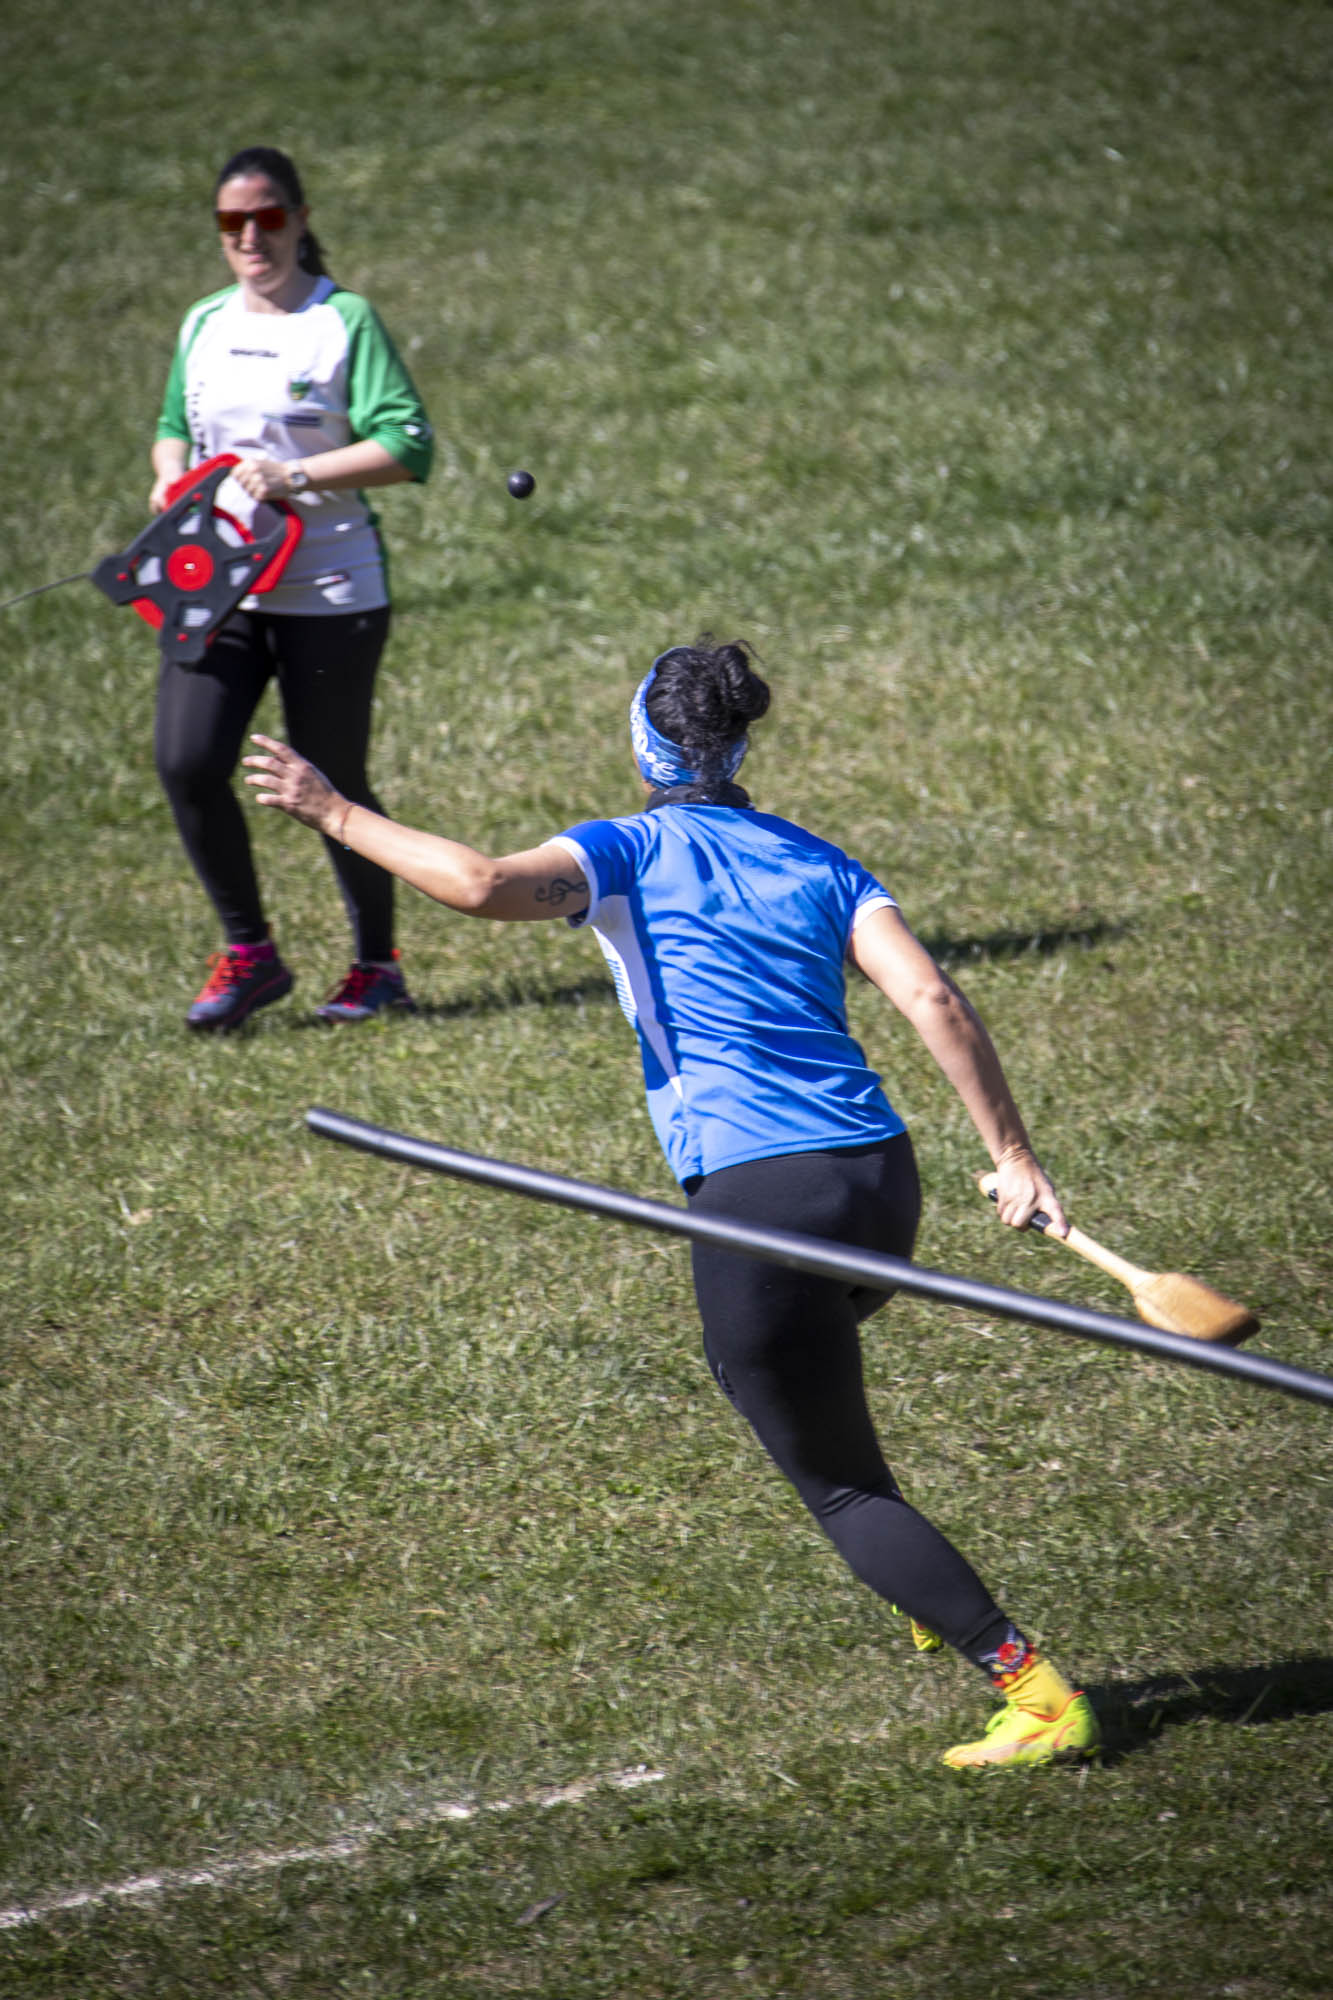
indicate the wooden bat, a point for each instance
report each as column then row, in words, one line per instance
column 1167, row 1299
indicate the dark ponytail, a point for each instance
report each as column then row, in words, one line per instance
column 704, row 697
column 278, row 168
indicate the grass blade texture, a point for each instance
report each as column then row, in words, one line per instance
column 972, row 361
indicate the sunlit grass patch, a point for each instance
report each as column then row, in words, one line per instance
column 973, row 364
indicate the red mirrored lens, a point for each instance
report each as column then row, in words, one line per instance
column 231, row 221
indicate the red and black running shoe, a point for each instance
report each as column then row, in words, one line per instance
column 369, row 988
column 239, row 980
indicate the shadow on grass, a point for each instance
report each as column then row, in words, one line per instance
column 591, row 990
column 1133, row 1713
column 477, row 1001
column 1041, row 943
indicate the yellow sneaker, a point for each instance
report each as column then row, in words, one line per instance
column 1043, row 1721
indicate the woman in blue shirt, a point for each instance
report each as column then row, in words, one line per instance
column 727, row 931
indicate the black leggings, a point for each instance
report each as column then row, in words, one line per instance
column 325, row 670
column 785, row 1347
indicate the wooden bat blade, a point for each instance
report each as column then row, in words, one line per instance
column 1167, row 1299
column 1181, row 1304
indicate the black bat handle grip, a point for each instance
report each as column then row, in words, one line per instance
column 1038, row 1220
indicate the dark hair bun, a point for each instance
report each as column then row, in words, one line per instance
column 705, row 697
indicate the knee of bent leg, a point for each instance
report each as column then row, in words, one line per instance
column 192, row 767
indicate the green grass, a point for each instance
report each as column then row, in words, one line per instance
column 972, row 362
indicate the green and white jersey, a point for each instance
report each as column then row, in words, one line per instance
column 291, row 385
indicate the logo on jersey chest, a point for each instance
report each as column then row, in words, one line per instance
column 299, row 388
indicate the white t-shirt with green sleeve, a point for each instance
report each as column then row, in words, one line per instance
column 292, row 385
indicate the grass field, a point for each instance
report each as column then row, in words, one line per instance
column 971, row 361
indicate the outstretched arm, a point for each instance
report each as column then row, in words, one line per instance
column 899, row 964
column 539, row 882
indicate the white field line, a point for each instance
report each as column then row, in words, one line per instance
column 351, row 1847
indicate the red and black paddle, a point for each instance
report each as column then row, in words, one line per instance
column 184, row 575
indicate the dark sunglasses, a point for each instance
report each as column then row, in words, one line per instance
column 231, row 221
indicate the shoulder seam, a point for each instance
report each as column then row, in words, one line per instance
column 204, row 309
column 349, row 306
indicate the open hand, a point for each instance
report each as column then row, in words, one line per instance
column 282, row 777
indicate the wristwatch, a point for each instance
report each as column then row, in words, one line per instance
column 297, row 479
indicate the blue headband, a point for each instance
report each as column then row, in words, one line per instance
column 662, row 762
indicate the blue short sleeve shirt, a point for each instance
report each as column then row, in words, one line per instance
column 726, row 931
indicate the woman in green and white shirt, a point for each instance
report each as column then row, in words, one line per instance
column 301, row 380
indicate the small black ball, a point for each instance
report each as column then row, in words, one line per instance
column 520, row 484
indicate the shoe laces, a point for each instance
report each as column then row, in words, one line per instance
column 359, row 981
column 225, row 971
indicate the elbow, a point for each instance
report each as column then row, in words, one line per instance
column 471, row 893
column 394, row 471
column 476, row 890
column 935, row 999
column 938, row 1008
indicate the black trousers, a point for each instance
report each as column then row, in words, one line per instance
column 325, row 670
column 786, row 1348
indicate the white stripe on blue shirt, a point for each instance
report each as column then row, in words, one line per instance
column 726, row 932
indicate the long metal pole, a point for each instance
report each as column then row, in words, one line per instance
column 825, row 1259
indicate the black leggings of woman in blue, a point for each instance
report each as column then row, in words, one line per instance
column 786, row 1348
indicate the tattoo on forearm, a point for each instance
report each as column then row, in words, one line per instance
column 560, row 890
